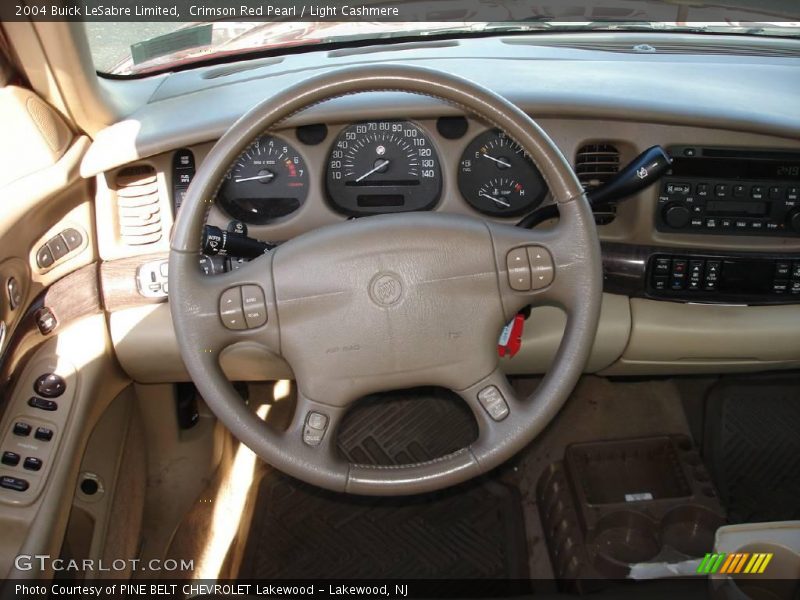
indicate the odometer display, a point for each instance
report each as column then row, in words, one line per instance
column 269, row 180
column 383, row 166
column 497, row 178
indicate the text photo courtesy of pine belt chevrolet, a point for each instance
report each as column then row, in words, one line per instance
column 381, row 299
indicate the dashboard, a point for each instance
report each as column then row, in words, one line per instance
column 701, row 270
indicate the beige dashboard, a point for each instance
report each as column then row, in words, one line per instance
column 637, row 336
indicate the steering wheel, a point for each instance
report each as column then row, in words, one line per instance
column 388, row 302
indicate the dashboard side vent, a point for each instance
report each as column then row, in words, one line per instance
column 595, row 164
column 138, row 206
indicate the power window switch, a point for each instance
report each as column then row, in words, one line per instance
column 32, row 463
column 43, row 434
column 10, row 458
column 22, row 429
column 13, row 483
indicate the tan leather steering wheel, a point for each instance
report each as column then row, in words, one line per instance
column 389, row 302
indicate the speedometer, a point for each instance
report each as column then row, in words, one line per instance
column 268, row 181
column 383, row 166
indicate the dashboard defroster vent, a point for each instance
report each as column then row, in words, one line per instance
column 138, row 206
column 595, row 164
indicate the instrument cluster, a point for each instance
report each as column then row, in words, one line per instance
column 382, row 166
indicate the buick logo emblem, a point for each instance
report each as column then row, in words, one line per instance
column 385, row 289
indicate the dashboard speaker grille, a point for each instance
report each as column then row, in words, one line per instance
column 138, row 206
column 595, row 164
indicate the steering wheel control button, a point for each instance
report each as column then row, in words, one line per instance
column 254, row 306
column 10, row 458
column 519, row 270
column 50, row 385
column 22, row 429
column 315, row 428
column 230, row 309
column 42, row 404
column 541, row 267
column 32, row 463
column 44, row 257
column 493, row 402
column 43, row 434
column 13, row 483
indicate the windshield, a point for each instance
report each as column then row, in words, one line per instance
column 136, row 48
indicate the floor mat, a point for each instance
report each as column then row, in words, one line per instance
column 406, row 427
column 752, row 447
column 301, row 532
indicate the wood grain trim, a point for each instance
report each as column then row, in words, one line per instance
column 118, row 282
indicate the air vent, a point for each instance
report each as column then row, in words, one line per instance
column 138, row 207
column 595, row 164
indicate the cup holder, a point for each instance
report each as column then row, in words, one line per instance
column 626, row 537
column 690, row 529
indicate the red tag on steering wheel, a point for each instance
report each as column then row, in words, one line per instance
column 511, row 337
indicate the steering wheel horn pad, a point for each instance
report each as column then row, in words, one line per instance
column 391, row 302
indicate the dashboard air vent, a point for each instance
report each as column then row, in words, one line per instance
column 138, row 207
column 595, row 164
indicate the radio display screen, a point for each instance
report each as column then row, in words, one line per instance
column 736, row 168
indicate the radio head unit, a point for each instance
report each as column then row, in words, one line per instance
column 731, row 191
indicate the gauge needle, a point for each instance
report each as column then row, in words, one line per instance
column 377, row 167
column 502, row 163
column 500, row 202
column 265, row 176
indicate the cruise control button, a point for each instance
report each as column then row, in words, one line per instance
column 42, row 404
column 230, row 309
column 493, row 402
column 541, row 267
column 13, row 483
column 315, row 428
column 10, row 458
column 519, row 270
column 254, row 306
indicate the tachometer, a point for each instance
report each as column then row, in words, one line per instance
column 383, row 166
column 269, row 180
column 498, row 178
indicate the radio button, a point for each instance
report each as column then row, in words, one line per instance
column 774, row 192
column 721, row 190
column 702, row 189
column 741, row 224
column 796, row 271
column 677, row 216
column 696, row 222
column 757, row 225
column 792, row 193
column 711, row 223
column 757, row 192
column 726, row 223
column 684, row 189
column 739, row 190
column 782, row 270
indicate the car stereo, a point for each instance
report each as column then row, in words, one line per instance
column 731, row 191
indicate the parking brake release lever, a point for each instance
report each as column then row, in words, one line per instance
column 640, row 173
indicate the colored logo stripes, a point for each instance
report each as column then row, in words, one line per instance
column 740, row 562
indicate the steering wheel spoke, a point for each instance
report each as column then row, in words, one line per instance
column 231, row 307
